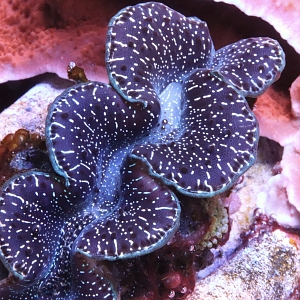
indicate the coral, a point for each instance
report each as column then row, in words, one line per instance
column 44, row 36
column 126, row 162
column 21, row 151
column 283, row 15
column 279, row 120
column 34, row 34
column 263, row 267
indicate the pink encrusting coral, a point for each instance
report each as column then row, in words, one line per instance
column 44, row 36
column 279, row 119
column 282, row 14
column 39, row 36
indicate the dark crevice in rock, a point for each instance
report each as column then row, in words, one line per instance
column 269, row 151
column 12, row 90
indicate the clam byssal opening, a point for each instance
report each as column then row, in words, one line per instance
column 133, row 162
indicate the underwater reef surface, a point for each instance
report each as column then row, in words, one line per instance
column 263, row 177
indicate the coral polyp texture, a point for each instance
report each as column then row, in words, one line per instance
column 21, row 151
column 173, row 127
